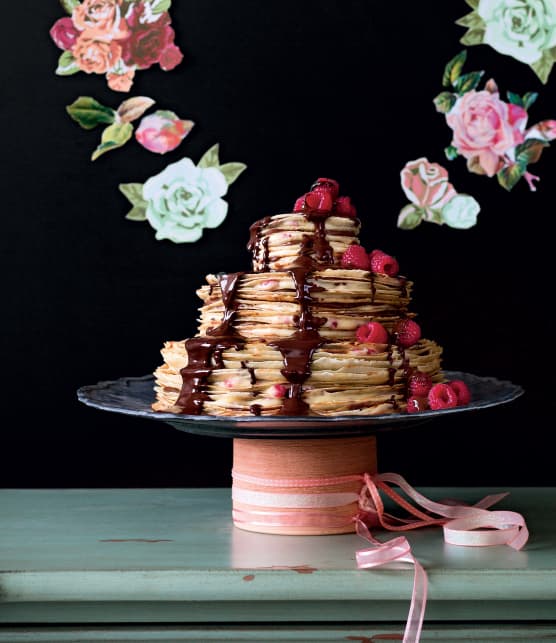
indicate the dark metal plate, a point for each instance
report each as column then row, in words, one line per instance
column 134, row 396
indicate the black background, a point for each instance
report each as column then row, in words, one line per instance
column 296, row 90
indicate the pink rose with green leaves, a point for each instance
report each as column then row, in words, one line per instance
column 115, row 38
column 162, row 131
column 433, row 198
column 486, row 128
column 426, row 184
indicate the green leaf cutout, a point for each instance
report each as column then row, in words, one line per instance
column 514, row 99
column 160, row 6
column 114, row 136
column 474, row 166
column 529, row 98
column 89, row 113
column 529, row 151
column 453, row 69
column 451, row 152
column 210, row 157
column 444, row 102
column 66, row 65
column 473, row 37
column 467, row 82
column 167, row 113
column 434, row 216
column 69, row 5
column 137, row 213
column 133, row 193
column 472, row 21
column 410, row 217
column 543, row 67
column 474, row 4
column 509, row 176
column 231, row 171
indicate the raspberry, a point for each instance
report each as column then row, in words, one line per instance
column 372, row 333
column 407, row 332
column 344, row 207
column 319, row 199
column 330, row 185
column 299, row 204
column 419, row 384
column 356, row 257
column 278, row 390
column 416, row 403
column 383, row 263
column 442, row 396
column 462, row 391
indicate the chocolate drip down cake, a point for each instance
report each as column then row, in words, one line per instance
column 320, row 327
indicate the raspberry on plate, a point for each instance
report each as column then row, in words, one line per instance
column 462, row 391
column 442, row 396
column 419, row 384
column 417, row 403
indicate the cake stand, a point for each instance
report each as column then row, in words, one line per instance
column 335, row 450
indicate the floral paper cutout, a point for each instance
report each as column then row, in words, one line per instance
column 523, row 29
column 184, row 198
column 433, row 198
column 115, row 38
column 490, row 133
column 162, row 131
column 89, row 113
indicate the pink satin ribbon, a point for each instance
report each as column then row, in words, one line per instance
column 471, row 526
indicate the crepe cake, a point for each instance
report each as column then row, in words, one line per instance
column 319, row 327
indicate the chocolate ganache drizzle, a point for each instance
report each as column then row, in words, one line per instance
column 298, row 349
column 203, row 352
column 316, row 326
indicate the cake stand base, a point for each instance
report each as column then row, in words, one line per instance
column 266, row 497
column 302, row 449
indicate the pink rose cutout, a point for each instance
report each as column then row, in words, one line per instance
column 63, row 33
column 486, row 128
column 426, row 184
column 162, row 131
column 150, row 42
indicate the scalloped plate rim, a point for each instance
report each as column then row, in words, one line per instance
column 247, row 426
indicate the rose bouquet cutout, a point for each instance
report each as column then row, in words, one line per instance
column 160, row 132
column 184, row 198
column 115, row 38
column 492, row 134
column 433, row 198
column 523, row 29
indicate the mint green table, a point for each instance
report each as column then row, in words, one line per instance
column 167, row 565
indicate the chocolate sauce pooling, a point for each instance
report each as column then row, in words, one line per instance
column 202, row 351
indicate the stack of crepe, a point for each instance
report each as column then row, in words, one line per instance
column 345, row 376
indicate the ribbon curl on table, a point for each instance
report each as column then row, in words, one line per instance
column 471, row 526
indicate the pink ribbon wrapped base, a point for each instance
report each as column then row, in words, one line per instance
column 463, row 525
